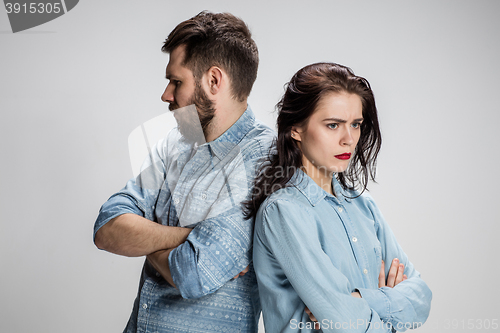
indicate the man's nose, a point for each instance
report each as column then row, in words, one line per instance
column 168, row 95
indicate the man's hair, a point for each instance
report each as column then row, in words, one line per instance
column 221, row 40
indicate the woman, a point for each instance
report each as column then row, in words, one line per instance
column 320, row 245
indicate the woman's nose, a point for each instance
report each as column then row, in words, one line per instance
column 347, row 139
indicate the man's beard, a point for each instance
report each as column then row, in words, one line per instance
column 190, row 122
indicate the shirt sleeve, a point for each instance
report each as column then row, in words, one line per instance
column 293, row 237
column 219, row 247
column 407, row 305
column 215, row 251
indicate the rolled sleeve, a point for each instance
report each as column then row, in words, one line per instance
column 216, row 250
column 131, row 199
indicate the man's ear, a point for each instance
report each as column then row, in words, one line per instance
column 215, row 78
column 296, row 133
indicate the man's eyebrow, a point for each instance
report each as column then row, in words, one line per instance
column 171, row 77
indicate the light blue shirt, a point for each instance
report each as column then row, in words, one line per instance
column 314, row 249
column 182, row 184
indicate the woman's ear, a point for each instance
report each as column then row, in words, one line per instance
column 296, row 133
column 214, row 79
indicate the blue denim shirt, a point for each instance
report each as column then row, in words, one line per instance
column 313, row 249
column 201, row 187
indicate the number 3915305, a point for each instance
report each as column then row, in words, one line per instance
column 33, row 8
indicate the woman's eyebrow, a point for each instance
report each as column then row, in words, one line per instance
column 338, row 120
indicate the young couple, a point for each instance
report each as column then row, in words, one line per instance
column 222, row 206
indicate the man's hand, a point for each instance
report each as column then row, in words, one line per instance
column 243, row 272
column 159, row 260
column 395, row 275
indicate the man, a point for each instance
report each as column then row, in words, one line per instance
column 183, row 212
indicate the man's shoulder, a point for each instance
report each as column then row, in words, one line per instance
column 258, row 140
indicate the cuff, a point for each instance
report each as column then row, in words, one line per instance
column 391, row 305
column 378, row 301
column 183, row 269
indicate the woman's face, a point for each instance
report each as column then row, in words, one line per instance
column 329, row 137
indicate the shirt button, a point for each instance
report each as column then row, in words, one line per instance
column 354, row 239
column 144, row 306
column 340, row 209
column 204, row 196
column 176, row 201
column 365, row 271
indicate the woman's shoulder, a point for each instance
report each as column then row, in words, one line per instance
column 288, row 198
column 367, row 206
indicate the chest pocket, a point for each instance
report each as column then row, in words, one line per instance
column 378, row 253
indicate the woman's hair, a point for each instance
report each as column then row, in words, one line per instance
column 301, row 97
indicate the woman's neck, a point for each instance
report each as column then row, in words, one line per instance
column 321, row 177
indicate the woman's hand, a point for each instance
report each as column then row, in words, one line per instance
column 395, row 275
column 313, row 319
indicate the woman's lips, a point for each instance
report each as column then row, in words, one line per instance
column 344, row 156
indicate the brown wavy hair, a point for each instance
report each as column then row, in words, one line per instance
column 218, row 39
column 301, row 97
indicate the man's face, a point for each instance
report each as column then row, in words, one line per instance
column 181, row 85
column 184, row 89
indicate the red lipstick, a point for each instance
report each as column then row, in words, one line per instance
column 344, row 156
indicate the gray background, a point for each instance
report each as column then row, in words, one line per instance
column 73, row 89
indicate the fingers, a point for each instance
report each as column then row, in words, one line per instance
column 399, row 276
column 396, row 274
column 394, row 277
column 309, row 313
column 381, row 276
column 243, row 272
column 356, row 294
column 393, row 272
column 313, row 318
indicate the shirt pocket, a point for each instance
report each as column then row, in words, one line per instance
column 378, row 259
column 378, row 253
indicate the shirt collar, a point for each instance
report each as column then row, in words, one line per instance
column 314, row 194
column 232, row 137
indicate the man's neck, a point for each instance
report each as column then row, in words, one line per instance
column 225, row 117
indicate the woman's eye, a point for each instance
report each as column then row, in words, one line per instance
column 356, row 125
column 333, row 126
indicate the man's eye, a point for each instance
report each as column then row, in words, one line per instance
column 333, row 126
column 356, row 125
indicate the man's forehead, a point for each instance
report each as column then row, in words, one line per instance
column 175, row 64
